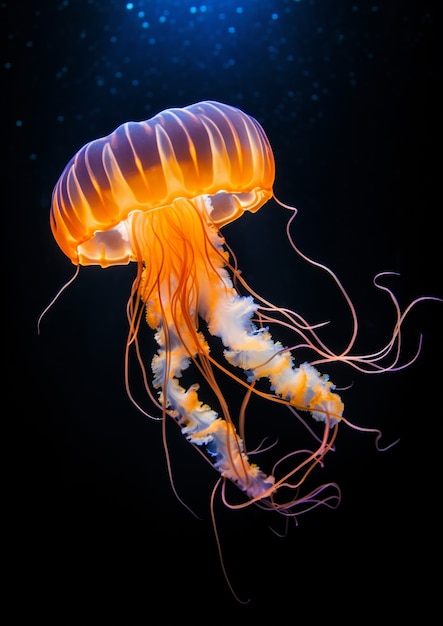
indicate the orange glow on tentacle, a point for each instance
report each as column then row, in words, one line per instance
column 185, row 278
column 172, row 308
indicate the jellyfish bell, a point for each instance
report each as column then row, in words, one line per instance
column 209, row 155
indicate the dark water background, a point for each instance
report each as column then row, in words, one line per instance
column 349, row 93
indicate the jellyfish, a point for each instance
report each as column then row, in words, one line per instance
column 158, row 193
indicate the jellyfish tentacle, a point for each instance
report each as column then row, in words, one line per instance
column 253, row 349
column 201, row 425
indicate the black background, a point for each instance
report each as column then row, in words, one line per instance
column 349, row 94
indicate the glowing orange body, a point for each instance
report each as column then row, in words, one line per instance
column 157, row 192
